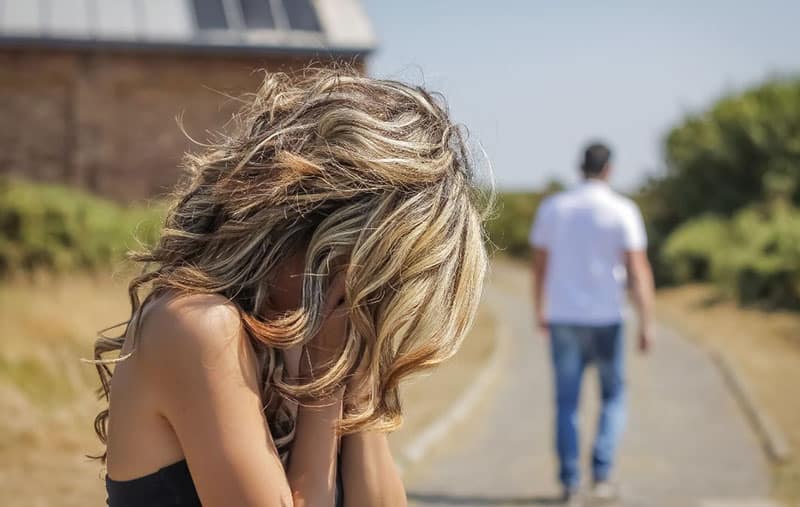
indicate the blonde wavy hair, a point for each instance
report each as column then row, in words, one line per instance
column 344, row 168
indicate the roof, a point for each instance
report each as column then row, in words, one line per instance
column 338, row 27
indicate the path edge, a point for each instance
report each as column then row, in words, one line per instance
column 773, row 440
column 414, row 452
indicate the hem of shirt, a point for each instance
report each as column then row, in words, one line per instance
column 558, row 321
column 636, row 248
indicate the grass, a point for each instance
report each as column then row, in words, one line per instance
column 764, row 346
column 46, row 394
column 47, row 403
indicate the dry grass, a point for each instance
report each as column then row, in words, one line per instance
column 763, row 346
column 46, row 394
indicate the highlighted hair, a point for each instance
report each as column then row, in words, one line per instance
column 346, row 168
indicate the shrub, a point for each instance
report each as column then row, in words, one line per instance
column 57, row 228
column 742, row 151
column 690, row 250
column 764, row 265
column 755, row 255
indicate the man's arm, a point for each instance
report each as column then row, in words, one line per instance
column 540, row 257
column 640, row 275
column 540, row 239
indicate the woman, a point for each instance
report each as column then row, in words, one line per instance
column 327, row 249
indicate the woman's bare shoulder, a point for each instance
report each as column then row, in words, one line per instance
column 178, row 329
column 200, row 367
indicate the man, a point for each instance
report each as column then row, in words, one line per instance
column 588, row 243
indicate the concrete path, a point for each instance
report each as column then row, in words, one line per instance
column 687, row 442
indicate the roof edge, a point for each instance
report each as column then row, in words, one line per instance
column 66, row 44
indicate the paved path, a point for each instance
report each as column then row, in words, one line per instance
column 687, row 443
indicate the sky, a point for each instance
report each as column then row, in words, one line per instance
column 534, row 80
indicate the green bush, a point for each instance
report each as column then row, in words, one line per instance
column 765, row 261
column 689, row 251
column 736, row 153
column 755, row 255
column 53, row 227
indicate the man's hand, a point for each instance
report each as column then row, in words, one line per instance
column 542, row 326
column 645, row 339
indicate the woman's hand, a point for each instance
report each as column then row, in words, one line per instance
column 312, row 465
column 306, row 361
column 324, row 349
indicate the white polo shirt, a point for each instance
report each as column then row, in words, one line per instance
column 586, row 231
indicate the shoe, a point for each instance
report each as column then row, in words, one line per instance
column 605, row 491
column 571, row 497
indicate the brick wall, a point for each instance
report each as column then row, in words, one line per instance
column 107, row 121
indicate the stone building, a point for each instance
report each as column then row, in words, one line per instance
column 91, row 90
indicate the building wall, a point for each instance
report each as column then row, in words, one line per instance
column 107, row 122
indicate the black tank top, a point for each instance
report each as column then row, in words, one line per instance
column 170, row 486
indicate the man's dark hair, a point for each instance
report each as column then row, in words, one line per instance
column 595, row 159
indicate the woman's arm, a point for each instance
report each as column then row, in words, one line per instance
column 203, row 373
column 370, row 475
column 369, row 472
column 312, row 464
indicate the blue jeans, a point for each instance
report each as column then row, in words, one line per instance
column 573, row 347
